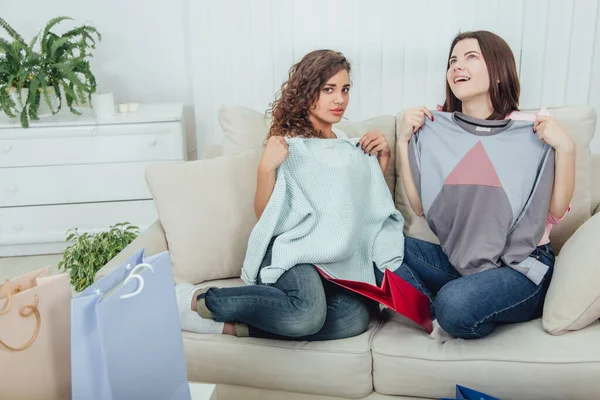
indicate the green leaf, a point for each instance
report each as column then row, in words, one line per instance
column 24, row 120
column 70, row 96
column 46, row 43
column 7, row 104
column 21, row 80
column 56, row 44
column 13, row 34
column 45, row 91
column 58, row 94
column 34, row 40
column 68, row 73
column 50, row 25
column 33, row 98
column 85, row 31
column 91, row 251
column 10, row 81
column 5, row 46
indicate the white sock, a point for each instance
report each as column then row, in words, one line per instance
column 440, row 334
column 190, row 320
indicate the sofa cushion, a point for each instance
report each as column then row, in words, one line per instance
column 595, row 182
column 230, row 392
column 573, row 299
column 581, row 123
column 333, row 368
column 519, row 361
column 206, row 209
column 245, row 128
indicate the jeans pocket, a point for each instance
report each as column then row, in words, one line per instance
column 544, row 254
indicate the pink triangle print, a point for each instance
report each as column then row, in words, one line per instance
column 475, row 168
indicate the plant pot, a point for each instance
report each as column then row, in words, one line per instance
column 43, row 110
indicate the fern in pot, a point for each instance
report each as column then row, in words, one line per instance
column 36, row 76
column 89, row 252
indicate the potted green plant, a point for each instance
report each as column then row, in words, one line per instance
column 89, row 252
column 47, row 68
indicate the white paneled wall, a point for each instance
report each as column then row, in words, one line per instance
column 208, row 53
column 241, row 50
column 143, row 52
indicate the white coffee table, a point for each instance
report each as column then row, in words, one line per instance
column 203, row 391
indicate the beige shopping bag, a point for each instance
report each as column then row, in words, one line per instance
column 35, row 337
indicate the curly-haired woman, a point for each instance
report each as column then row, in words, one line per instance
column 300, row 305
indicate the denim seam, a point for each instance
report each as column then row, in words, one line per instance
column 421, row 288
column 431, row 265
column 507, row 308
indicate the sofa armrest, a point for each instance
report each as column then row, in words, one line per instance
column 212, row 151
column 152, row 239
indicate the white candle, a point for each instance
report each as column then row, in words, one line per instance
column 103, row 104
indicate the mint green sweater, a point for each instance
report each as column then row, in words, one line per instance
column 330, row 207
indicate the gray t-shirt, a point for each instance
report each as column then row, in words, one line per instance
column 485, row 188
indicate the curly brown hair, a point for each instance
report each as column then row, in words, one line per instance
column 301, row 90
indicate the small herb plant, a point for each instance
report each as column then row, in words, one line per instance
column 89, row 252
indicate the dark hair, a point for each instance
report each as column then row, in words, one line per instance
column 501, row 67
column 301, row 90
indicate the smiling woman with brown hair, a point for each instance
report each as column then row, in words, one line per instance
column 498, row 186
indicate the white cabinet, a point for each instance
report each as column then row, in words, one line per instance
column 69, row 171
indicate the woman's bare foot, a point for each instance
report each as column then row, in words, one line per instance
column 229, row 329
column 195, row 301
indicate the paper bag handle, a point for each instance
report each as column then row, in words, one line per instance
column 133, row 274
column 25, row 311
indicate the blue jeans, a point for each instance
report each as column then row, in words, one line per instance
column 471, row 307
column 300, row 305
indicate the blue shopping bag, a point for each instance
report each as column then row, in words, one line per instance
column 125, row 335
column 464, row 393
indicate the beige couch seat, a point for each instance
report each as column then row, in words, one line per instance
column 336, row 368
column 518, row 361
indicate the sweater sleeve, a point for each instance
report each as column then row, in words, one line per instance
column 265, row 229
column 286, row 216
column 388, row 248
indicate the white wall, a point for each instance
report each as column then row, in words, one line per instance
column 210, row 53
column 143, row 52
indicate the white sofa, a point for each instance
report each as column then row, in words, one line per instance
column 392, row 359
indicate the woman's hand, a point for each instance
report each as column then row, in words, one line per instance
column 549, row 131
column 275, row 153
column 374, row 142
column 412, row 120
